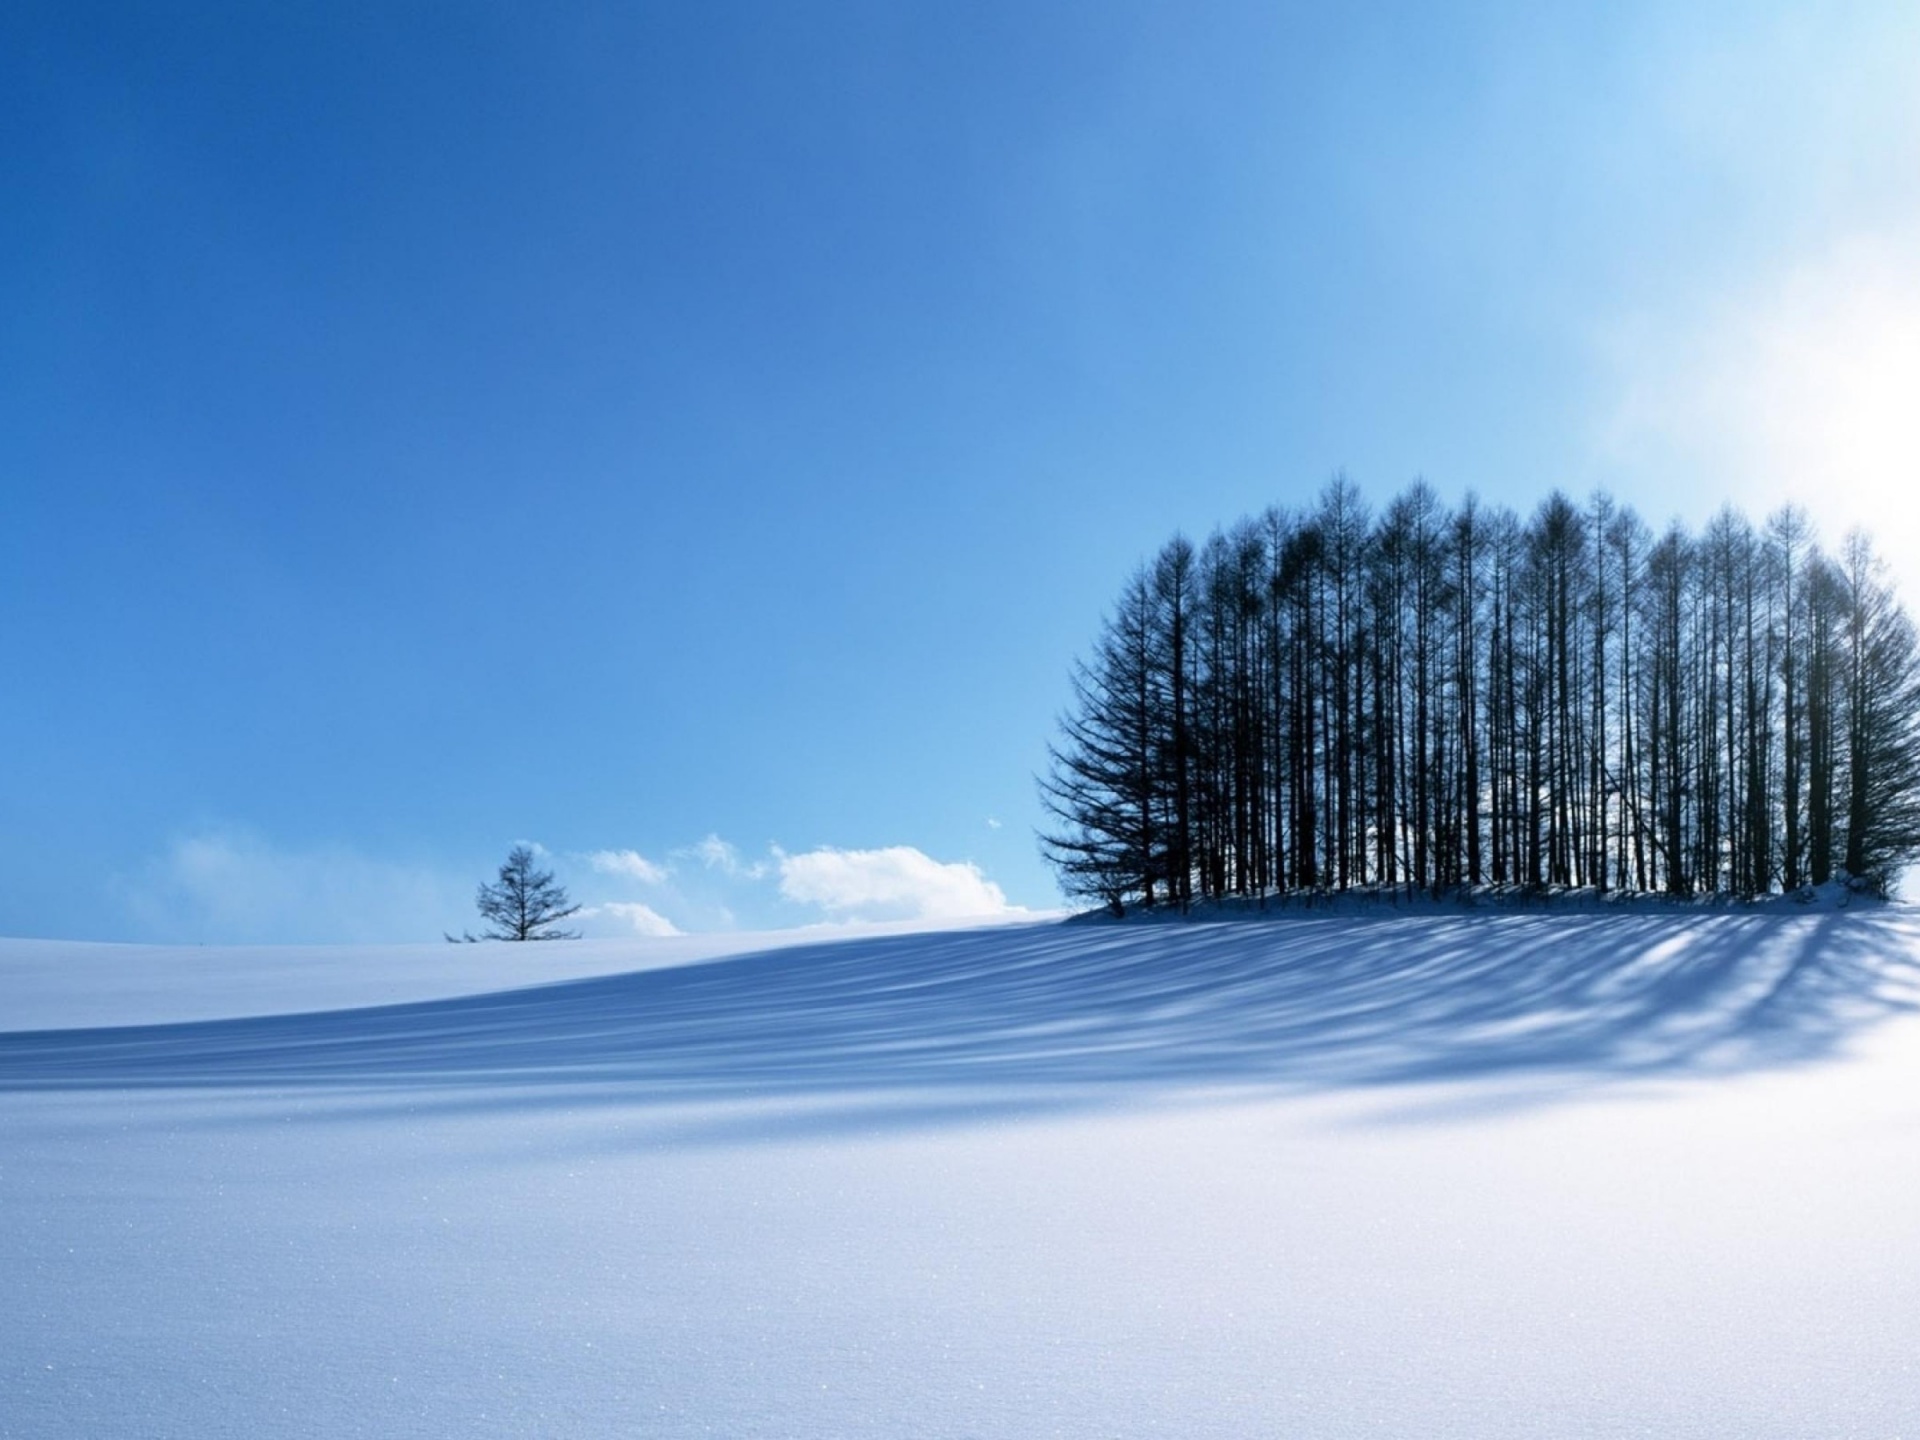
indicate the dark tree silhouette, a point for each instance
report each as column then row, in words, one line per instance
column 525, row 903
column 1338, row 698
column 1101, row 791
column 1883, row 719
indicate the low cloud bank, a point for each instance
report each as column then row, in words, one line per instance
column 640, row 919
column 233, row 886
column 713, row 885
column 237, row 887
column 629, row 863
column 894, row 883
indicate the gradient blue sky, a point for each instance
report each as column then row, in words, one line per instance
column 695, row 430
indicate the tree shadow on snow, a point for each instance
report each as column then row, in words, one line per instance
column 930, row 1029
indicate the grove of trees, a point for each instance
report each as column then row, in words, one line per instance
column 1433, row 697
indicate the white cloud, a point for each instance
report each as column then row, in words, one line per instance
column 630, row 863
column 895, row 883
column 643, row 919
column 235, row 887
column 718, row 854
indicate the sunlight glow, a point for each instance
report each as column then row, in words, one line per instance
column 1806, row 388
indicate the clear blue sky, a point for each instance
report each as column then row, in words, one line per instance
column 624, row 427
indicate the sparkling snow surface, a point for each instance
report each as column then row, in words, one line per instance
column 1474, row 1175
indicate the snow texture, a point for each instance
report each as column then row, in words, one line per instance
column 1449, row 1174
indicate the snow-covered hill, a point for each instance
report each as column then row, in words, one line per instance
column 1447, row 1174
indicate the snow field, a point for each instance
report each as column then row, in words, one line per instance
column 1486, row 1176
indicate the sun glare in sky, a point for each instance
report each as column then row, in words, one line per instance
column 1805, row 390
column 1786, row 366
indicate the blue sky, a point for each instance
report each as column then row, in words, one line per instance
column 707, row 433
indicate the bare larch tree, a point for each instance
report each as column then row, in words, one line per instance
column 525, row 903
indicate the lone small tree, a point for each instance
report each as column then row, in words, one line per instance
column 524, row 904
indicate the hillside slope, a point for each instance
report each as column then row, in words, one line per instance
column 1474, row 1174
